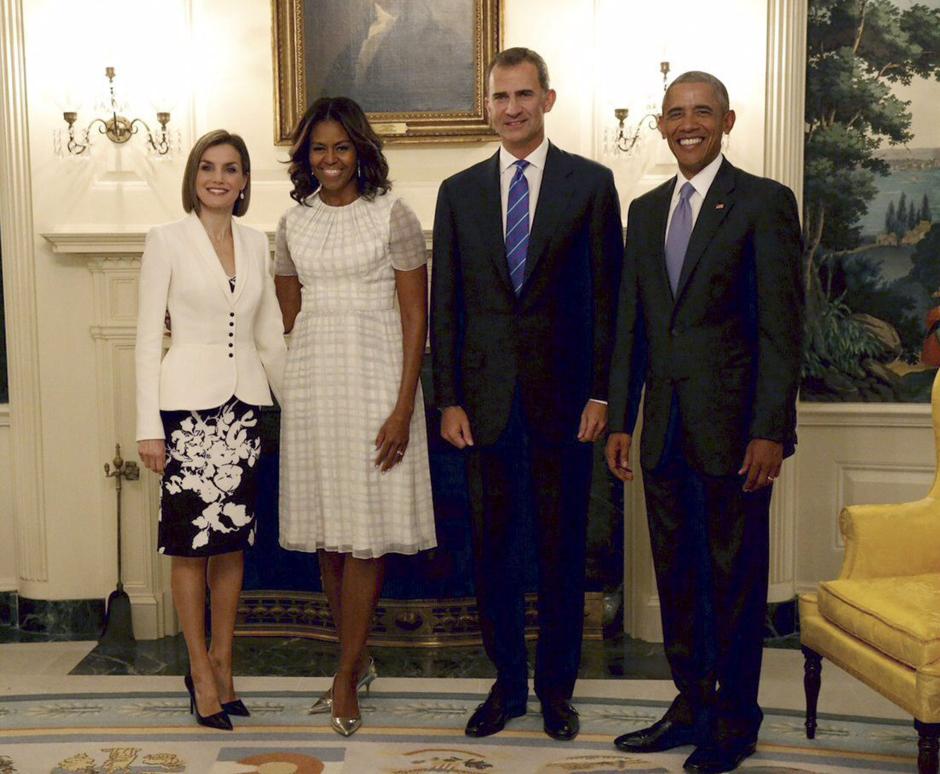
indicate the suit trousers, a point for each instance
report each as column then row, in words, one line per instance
column 518, row 476
column 710, row 542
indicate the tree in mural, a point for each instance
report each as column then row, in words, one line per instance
column 856, row 50
column 926, row 260
column 891, row 219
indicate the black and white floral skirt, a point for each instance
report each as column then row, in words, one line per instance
column 207, row 496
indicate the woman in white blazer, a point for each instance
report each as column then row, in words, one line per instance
column 197, row 406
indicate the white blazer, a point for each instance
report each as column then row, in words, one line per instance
column 222, row 343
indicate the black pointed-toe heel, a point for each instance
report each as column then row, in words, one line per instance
column 236, row 708
column 218, row 720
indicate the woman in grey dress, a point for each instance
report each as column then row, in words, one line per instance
column 352, row 282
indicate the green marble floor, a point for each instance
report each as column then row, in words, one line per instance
column 619, row 657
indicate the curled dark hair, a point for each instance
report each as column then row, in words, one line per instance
column 372, row 176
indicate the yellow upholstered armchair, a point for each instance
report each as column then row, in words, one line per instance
column 880, row 619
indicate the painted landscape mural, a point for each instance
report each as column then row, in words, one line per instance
column 871, row 198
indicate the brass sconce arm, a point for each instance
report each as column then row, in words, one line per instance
column 117, row 128
column 625, row 139
column 74, row 146
column 628, row 137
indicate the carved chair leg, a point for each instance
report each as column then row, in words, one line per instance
column 812, row 679
column 928, row 743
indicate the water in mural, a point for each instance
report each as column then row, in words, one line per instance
column 872, row 197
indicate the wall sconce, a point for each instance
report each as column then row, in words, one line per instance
column 116, row 128
column 627, row 138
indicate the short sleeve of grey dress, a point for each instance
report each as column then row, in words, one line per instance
column 342, row 379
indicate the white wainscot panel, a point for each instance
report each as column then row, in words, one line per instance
column 113, row 260
column 873, row 483
column 854, row 454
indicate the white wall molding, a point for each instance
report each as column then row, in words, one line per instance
column 113, row 258
column 783, row 161
column 19, row 279
column 786, row 93
column 783, row 508
column 118, row 245
column 641, row 599
column 886, row 415
column 861, row 480
column 851, row 454
column 114, row 330
column 8, row 579
column 97, row 244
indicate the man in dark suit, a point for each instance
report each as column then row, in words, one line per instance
column 527, row 254
column 710, row 319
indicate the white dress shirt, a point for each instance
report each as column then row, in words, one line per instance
column 533, row 175
column 701, row 183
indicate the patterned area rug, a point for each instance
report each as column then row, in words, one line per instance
column 403, row 733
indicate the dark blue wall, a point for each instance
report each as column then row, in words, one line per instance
column 445, row 572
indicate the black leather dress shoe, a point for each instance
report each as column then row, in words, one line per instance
column 664, row 734
column 491, row 716
column 716, row 758
column 560, row 720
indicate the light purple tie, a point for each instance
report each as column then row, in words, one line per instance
column 677, row 240
column 517, row 225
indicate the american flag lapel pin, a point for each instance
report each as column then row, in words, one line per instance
column 720, row 206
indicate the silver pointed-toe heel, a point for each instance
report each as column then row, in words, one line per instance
column 345, row 726
column 325, row 703
column 367, row 677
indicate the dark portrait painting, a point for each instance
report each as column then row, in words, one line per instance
column 417, row 67
column 391, row 56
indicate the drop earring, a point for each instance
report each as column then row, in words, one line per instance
column 358, row 171
column 241, row 195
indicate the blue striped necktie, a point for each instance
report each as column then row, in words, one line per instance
column 517, row 226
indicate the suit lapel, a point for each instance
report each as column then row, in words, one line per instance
column 210, row 261
column 718, row 203
column 490, row 216
column 241, row 263
column 657, row 226
column 554, row 192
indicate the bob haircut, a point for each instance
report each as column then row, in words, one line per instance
column 210, row 140
column 372, row 175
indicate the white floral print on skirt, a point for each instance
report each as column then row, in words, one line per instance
column 207, row 495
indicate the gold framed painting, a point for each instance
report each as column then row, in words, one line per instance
column 417, row 67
